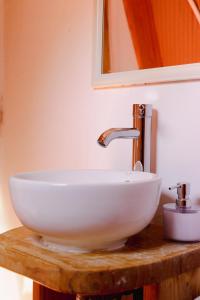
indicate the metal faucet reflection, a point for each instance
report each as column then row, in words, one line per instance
column 140, row 133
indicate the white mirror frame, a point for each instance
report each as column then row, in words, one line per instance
column 189, row 72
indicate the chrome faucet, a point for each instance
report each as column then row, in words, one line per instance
column 117, row 133
column 140, row 133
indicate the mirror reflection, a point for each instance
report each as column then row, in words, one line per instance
column 143, row 34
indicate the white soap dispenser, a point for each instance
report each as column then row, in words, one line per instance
column 182, row 219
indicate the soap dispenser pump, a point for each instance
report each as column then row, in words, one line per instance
column 182, row 219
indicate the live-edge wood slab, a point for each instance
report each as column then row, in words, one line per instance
column 146, row 259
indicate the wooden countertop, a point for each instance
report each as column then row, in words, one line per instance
column 147, row 258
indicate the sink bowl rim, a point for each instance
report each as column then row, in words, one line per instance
column 24, row 177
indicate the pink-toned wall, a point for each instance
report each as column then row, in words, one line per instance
column 52, row 116
column 1, row 46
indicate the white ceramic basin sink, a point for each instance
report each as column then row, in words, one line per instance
column 85, row 210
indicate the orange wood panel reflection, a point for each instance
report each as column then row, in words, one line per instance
column 106, row 48
column 164, row 32
column 143, row 32
column 178, row 31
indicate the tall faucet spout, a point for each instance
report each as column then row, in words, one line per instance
column 117, row 133
column 140, row 133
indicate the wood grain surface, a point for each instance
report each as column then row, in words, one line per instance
column 164, row 33
column 146, row 259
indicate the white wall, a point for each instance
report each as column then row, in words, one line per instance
column 52, row 116
column 11, row 286
column 2, row 227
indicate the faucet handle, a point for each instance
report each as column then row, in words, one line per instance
column 183, row 191
column 142, row 110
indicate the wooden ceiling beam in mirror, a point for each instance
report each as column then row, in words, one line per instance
column 143, row 33
column 195, row 6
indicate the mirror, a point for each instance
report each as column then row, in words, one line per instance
column 146, row 42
